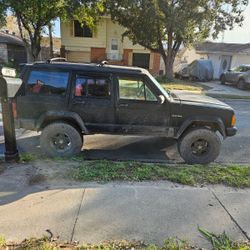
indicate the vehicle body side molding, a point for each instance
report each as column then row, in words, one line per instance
column 55, row 115
column 204, row 120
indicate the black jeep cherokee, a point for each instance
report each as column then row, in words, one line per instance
column 66, row 101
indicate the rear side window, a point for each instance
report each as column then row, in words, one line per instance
column 92, row 86
column 48, row 82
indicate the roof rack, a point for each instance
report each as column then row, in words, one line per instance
column 57, row 59
column 101, row 64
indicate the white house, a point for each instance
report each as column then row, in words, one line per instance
column 223, row 55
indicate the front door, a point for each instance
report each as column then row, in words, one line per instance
column 225, row 64
column 93, row 101
column 232, row 76
column 138, row 109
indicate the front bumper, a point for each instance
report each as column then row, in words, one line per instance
column 231, row 131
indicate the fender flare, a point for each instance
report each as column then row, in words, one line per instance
column 61, row 115
column 206, row 120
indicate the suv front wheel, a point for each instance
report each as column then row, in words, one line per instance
column 199, row 146
column 61, row 139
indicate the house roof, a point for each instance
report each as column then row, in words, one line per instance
column 232, row 48
column 10, row 39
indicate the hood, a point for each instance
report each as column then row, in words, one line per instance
column 199, row 99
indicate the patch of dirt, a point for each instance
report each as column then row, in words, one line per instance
column 39, row 172
column 53, row 172
column 36, row 179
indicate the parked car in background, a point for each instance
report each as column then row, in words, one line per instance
column 181, row 71
column 198, row 70
column 239, row 76
column 201, row 70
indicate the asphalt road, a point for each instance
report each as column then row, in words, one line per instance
column 154, row 149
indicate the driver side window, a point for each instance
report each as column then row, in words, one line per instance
column 132, row 88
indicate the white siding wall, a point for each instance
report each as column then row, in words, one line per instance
column 216, row 61
column 240, row 59
column 190, row 55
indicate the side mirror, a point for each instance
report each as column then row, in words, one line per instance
column 161, row 99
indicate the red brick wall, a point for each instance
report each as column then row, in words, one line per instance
column 156, row 64
column 126, row 56
column 98, row 55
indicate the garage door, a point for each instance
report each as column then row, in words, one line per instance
column 78, row 56
column 141, row 60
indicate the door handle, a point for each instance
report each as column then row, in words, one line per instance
column 123, row 105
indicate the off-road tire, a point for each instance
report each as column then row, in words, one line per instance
column 55, row 133
column 188, row 142
column 222, row 80
column 241, row 84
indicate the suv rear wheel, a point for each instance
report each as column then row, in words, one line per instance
column 199, row 146
column 61, row 139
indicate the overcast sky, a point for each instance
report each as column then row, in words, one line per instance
column 237, row 35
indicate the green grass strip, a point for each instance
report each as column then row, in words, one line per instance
column 105, row 171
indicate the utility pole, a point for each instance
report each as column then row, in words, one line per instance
column 51, row 52
column 11, row 152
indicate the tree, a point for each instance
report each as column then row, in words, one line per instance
column 162, row 26
column 33, row 16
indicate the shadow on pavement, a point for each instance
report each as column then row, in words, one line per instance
column 14, row 178
column 113, row 148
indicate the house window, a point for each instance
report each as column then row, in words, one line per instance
column 114, row 44
column 82, row 30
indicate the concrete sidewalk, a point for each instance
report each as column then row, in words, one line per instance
column 150, row 212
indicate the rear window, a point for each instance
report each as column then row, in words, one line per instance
column 48, row 82
column 92, row 86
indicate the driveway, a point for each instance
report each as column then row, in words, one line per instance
column 234, row 150
column 218, row 90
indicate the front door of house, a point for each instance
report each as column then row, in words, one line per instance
column 114, row 49
column 225, row 64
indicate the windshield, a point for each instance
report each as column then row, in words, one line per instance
column 165, row 92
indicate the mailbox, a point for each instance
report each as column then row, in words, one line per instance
column 13, row 84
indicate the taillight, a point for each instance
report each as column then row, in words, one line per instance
column 233, row 122
column 14, row 109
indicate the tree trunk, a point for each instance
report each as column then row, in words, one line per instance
column 35, row 47
column 169, row 67
column 51, row 53
column 169, row 59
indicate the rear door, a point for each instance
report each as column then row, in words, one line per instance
column 137, row 108
column 93, row 100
